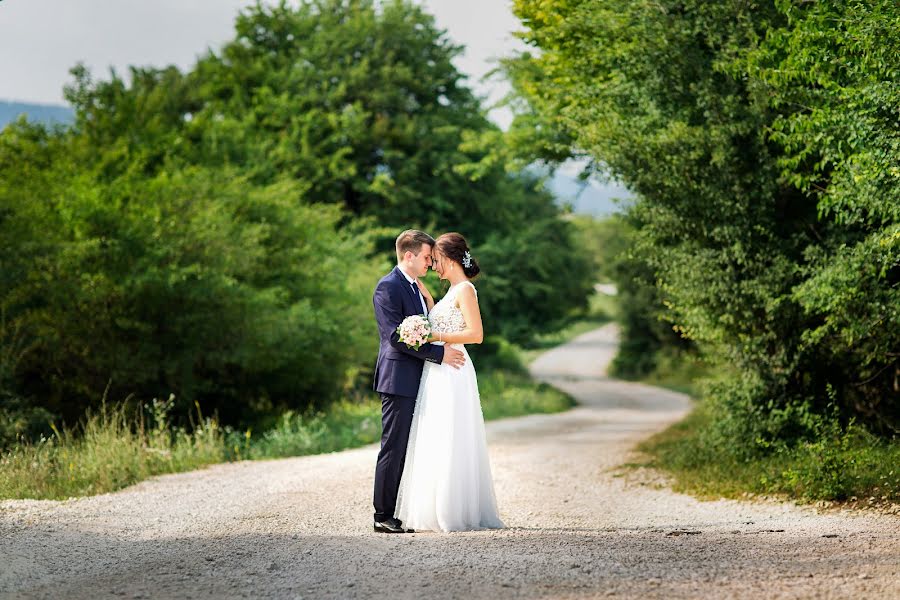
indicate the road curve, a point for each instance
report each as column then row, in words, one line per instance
column 578, row 527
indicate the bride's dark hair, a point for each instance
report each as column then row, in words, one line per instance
column 454, row 246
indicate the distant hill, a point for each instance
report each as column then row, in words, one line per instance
column 45, row 113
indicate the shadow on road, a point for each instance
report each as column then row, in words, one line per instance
column 522, row 562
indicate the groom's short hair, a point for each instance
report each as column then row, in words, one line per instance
column 411, row 240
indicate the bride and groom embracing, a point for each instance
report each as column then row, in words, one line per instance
column 433, row 471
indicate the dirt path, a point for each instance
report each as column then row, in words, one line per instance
column 301, row 528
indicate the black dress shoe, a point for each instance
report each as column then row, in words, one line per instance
column 390, row 525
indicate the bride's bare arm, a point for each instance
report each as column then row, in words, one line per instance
column 474, row 332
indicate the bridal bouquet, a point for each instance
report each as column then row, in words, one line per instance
column 414, row 331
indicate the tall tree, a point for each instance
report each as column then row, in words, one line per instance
column 216, row 233
column 359, row 104
column 716, row 115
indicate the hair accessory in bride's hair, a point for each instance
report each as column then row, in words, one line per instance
column 467, row 260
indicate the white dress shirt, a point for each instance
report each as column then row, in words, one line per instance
column 416, row 289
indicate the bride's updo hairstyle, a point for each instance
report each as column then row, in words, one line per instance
column 454, row 246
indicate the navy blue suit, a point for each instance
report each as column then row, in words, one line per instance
column 397, row 376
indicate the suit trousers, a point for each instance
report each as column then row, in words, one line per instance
column 396, row 419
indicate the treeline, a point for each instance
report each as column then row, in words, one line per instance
column 215, row 234
column 763, row 140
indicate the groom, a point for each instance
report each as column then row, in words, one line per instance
column 399, row 369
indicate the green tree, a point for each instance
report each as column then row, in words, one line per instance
column 360, row 105
column 215, row 233
column 831, row 74
column 190, row 282
column 762, row 140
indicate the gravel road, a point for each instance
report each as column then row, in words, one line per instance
column 579, row 525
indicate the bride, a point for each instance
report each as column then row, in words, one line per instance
column 446, row 483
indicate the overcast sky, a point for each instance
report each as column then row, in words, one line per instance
column 40, row 40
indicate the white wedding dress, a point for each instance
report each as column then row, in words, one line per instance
column 446, row 483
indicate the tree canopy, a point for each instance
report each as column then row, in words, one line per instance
column 762, row 139
column 217, row 233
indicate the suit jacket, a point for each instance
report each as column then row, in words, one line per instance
column 399, row 368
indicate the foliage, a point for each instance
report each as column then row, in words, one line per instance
column 111, row 450
column 377, row 124
column 842, row 462
column 345, row 424
column 349, row 424
column 537, row 278
column 506, row 394
column 604, row 240
column 762, row 139
column 647, row 338
column 496, row 353
column 189, row 282
column 215, row 233
column 831, row 73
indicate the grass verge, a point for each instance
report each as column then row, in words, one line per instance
column 112, row 450
column 845, row 465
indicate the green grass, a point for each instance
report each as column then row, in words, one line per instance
column 112, row 450
column 511, row 395
column 846, row 464
column 346, row 424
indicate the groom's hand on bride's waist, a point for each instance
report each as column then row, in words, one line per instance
column 453, row 357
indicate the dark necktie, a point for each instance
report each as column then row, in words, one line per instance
column 417, row 293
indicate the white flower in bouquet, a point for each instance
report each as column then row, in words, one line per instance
column 414, row 331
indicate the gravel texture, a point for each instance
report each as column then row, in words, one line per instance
column 579, row 525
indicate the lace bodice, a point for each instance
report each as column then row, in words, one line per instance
column 446, row 317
